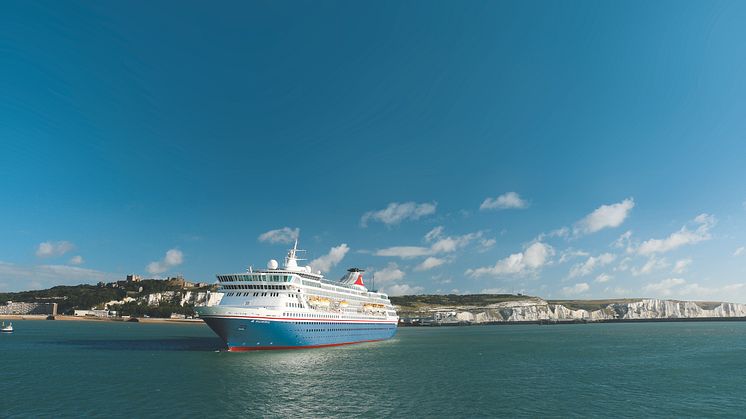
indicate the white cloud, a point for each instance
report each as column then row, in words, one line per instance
column 401, row 289
column 576, row 289
column 441, row 244
column 725, row 293
column 664, row 288
column 331, row 259
column 653, row 264
column 487, row 243
column 20, row 278
column 623, row 265
column 49, row 249
column 624, row 241
column 429, row 263
column 396, row 212
column 681, row 265
column 604, row 277
column 284, row 235
column 440, row 279
column 173, row 258
column 605, row 216
column 404, row 252
column 533, row 258
column 560, row 232
column 571, row 253
column 505, row 201
column 739, row 251
column 434, row 234
column 77, row 260
column 450, row 244
column 680, row 238
column 585, row 268
column 388, row 274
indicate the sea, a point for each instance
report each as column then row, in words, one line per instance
column 112, row 369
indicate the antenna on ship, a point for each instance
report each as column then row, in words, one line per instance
column 291, row 260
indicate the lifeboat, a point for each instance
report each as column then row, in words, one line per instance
column 319, row 301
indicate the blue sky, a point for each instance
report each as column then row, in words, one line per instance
column 584, row 149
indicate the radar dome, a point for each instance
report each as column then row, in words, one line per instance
column 272, row 264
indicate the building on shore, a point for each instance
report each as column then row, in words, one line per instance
column 133, row 278
column 94, row 313
column 179, row 281
column 20, row 308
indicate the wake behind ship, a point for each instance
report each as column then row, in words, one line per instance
column 293, row 308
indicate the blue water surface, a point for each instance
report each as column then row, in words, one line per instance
column 71, row 369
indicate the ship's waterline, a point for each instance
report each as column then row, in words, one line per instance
column 293, row 308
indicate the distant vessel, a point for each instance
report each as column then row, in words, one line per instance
column 293, row 308
column 6, row 329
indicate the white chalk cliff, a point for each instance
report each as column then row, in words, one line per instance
column 537, row 309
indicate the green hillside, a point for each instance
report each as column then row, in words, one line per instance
column 72, row 297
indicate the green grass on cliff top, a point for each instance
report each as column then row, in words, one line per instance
column 415, row 302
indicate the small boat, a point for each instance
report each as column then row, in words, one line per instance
column 6, row 329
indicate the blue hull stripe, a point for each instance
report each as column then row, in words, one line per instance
column 247, row 332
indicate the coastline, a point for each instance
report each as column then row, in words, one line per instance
column 577, row 321
column 150, row 320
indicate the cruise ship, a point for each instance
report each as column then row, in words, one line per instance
column 290, row 307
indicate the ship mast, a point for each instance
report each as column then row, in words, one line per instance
column 291, row 260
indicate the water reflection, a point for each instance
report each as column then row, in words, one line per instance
column 293, row 382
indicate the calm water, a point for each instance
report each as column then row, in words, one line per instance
column 57, row 369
